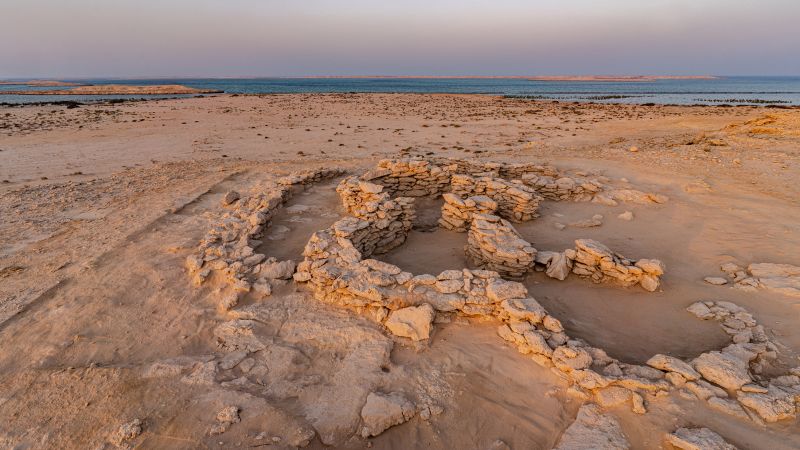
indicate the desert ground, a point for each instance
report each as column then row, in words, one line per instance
column 109, row 340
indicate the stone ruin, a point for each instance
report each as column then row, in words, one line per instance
column 494, row 244
column 515, row 201
column 338, row 269
column 228, row 249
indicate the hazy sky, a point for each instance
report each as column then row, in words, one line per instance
column 122, row 38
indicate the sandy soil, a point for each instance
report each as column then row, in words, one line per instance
column 101, row 204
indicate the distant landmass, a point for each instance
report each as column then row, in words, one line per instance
column 623, row 78
column 46, row 83
column 118, row 89
column 615, row 78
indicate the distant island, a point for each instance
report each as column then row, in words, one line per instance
column 615, row 78
column 118, row 89
column 621, row 78
column 46, row 83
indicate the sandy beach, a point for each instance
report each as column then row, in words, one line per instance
column 107, row 332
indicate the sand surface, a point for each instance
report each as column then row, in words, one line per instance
column 101, row 204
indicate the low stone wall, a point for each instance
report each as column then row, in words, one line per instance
column 495, row 245
column 407, row 304
column 515, row 201
column 457, row 213
column 229, row 246
column 561, row 188
column 410, row 177
column 594, row 260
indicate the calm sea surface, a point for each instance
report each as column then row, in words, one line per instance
column 726, row 90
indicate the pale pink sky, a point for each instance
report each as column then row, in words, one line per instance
column 127, row 38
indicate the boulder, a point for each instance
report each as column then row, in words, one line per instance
column 697, row 439
column 413, row 322
column 723, row 369
column 277, row 270
column 382, row 411
column 593, row 430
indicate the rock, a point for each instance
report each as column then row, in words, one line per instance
column 649, row 283
column 230, row 197
column 559, row 266
column 700, row 310
column 500, row 290
column 627, row 215
column 671, row 364
column 773, row 406
column 651, row 266
column 612, row 396
column 382, row 411
column 593, row 430
column 716, row 281
column 568, row 359
column 413, row 322
column 723, row 369
column 228, row 414
column 282, row 270
column 697, row 439
column 126, row 432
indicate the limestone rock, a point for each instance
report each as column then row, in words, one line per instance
column 382, row 411
column 277, row 270
column 723, row 369
column 230, row 197
column 716, row 281
column 627, row 215
column 671, row 364
column 697, row 439
column 593, row 430
column 126, row 432
column 413, row 322
column 773, row 406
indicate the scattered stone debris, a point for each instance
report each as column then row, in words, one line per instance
column 627, row 215
column 595, row 221
column 383, row 411
column 127, row 432
column 697, row 439
column 226, row 417
column 593, row 430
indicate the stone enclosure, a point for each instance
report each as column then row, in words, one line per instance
column 483, row 200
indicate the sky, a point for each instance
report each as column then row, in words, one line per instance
column 245, row 38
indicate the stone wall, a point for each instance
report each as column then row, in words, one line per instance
column 515, row 201
column 407, row 304
column 597, row 262
column 495, row 245
column 228, row 248
column 457, row 213
column 560, row 188
column 410, row 177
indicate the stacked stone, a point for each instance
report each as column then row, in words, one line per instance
column 229, row 247
column 596, row 261
column 560, row 188
column 338, row 274
column 361, row 198
column 494, row 244
column 457, row 213
column 471, row 167
column 515, row 201
column 739, row 369
column 517, row 171
column 411, row 177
